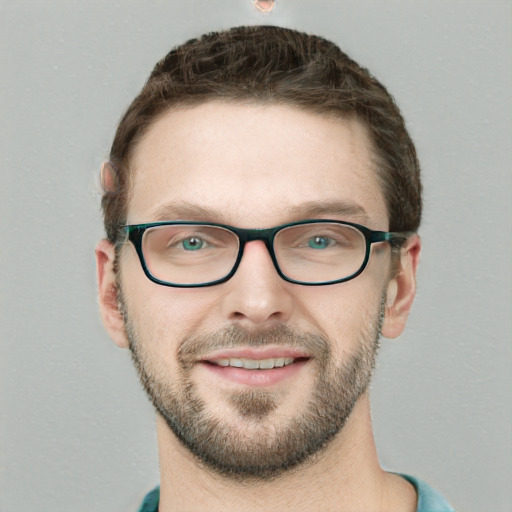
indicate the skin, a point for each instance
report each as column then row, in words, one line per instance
column 255, row 167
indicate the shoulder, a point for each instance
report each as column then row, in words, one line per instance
column 150, row 503
column 429, row 500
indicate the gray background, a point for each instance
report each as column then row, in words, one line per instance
column 77, row 433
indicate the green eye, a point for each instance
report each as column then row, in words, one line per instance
column 319, row 242
column 193, row 244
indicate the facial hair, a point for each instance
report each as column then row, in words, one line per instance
column 260, row 445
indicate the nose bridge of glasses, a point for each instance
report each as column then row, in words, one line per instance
column 251, row 235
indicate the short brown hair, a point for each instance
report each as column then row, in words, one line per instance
column 267, row 64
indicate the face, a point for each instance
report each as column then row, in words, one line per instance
column 254, row 167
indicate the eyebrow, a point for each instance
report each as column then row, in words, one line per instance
column 184, row 210
column 343, row 209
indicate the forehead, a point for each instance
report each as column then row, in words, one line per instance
column 253, row 166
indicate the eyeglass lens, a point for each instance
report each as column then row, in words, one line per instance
column 309, row 253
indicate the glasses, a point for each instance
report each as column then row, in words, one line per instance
column 311, row 252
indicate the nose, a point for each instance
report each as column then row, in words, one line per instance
column 256, row 297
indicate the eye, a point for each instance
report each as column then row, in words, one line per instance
column 193, row 243
column 320, row 242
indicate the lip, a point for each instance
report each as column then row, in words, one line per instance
column 256, row 353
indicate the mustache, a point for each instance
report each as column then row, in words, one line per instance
column 194, row 347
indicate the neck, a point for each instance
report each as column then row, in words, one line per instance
column 345, row 477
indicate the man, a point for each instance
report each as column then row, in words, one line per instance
column 261, row 207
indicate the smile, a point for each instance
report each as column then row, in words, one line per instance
column 254, row 364
column 250, row 366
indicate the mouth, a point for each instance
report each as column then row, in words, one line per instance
column 250, row 368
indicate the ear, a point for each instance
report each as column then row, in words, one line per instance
column 107, row 293
column 402, row 289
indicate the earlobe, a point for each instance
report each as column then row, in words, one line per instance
column 107, row 293
column 402, row 290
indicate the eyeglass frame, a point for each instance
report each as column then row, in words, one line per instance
column 135, row 232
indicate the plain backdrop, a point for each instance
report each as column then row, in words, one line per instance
column 77, row 433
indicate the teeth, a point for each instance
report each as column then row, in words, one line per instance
column 255, row 364
column 266, row 364
column 251, row 364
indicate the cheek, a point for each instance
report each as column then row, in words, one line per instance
column 344, row 313
column 162, row 316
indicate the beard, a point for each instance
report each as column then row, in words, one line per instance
column 260, row 444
